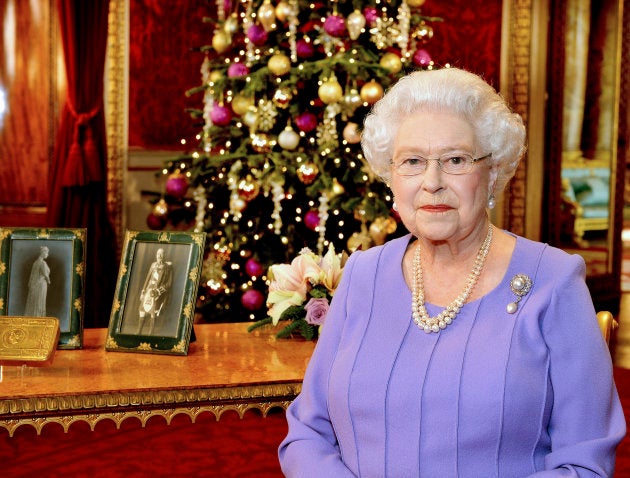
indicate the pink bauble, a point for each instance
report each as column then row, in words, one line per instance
column 311, row 220
column 221, row 115
column 177, row 185
column 156, row 222
column 304, row 49
column 306, row 122
column 237, row 69
column 422, row 58
column 335, row 25
column 252, row 299
column 253, row 267
column 370, row 14
column 257, row 35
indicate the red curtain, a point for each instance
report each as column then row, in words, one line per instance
column 78, row 171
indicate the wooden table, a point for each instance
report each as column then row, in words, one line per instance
column 227, row 368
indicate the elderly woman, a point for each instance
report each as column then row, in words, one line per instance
column 459, row 349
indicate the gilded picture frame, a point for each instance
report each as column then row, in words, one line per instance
column 156, row 291
column 42, row 274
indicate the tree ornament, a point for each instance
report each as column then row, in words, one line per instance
column 231, row 25
column 257, row 35
column 176, row 185
column 355, row 23
column 241, row 104
column 221, row 115
column 335, row 25
column 351, row 133
column 423, row 33
column 237, row 204
column 288, row 139
column 215, row 286
column 304, row 48
column 307, row 172
column 391, row 62
column 370, row 14
column 221, row 41
column 156, row 223
column 248, row 188
column 236, row 70
column 371, row 92
column 253, row 267
column 306, row 122
column 267, row 16
column 283, row 10
column 250, row 118
column 380, row 228
column 215, row 76
column 252, row 299
column 282, row 97
column 359, row 240
column 415, row 3
column 261, row 142
column 422, row 58
column 160, row 209
column 279, row 64
column 311, row 219
column 337, row 189
column 350, row 102
column 330, row 91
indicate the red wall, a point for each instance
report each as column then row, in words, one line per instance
column 163, row 65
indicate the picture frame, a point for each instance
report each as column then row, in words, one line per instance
column 42, row 274
column 156, row 292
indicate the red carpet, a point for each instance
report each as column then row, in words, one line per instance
column 228, row 448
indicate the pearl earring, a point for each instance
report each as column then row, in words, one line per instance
column 491, row 201
column 395, row 206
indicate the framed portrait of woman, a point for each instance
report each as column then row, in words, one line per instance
column 154, row 302
column 42, row 274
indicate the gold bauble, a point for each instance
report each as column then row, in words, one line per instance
column 307, row 172
column 221, row 41
column 371, row 92
column 283, row 10
column 231, row 24
column 336, row 189
column 391, row 62
column 282, row 97
column 359, row 240
column 250, row 118
column 351, row 133
column 267, row 16
column 215, row 75
column 330, row 91
column 279, row 64
column 241, row 104
column 380, row 228
column 160, row 209
column 415, row 3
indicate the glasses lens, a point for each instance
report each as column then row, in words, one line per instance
column 456, row 163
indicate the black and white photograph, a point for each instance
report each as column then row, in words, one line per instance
column 44, row 278
column 156, row 291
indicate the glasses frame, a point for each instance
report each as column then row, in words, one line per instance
column 439, row 163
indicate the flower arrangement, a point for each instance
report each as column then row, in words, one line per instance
column 300, row 292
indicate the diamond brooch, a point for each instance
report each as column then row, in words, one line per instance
column 520, row 285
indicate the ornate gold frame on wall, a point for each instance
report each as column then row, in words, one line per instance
column 116, row 111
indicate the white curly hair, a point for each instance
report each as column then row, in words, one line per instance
column 498, row 130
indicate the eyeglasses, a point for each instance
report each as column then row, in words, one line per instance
column 451, row 163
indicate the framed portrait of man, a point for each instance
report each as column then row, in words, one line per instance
column 154, row 303
column 42, row 274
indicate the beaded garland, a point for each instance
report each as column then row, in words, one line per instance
column 419, row 312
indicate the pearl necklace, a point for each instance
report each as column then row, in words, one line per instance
column 444, row 318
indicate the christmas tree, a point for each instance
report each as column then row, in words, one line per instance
column 278, row 165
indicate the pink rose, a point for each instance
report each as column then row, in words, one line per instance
column 316, row 311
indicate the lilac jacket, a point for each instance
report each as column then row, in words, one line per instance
column 493, row 395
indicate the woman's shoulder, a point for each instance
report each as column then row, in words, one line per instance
column 389, row 250
column 549, row 258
